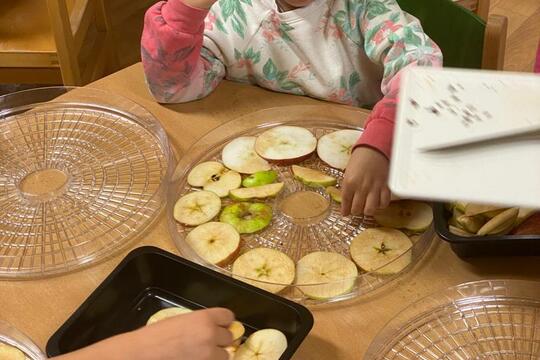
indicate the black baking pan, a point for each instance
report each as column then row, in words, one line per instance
column 150, row 279
column 476, row 246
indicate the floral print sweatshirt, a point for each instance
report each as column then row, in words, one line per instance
column 344, row 51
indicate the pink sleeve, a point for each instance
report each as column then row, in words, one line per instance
column 171, row 52
column 537, row 65
column 379, row 127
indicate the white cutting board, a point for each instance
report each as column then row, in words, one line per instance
column 447, row 106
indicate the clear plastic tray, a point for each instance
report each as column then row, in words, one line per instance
column 13, row 337
column 327, row 231
column 492, row 319
column 81, row 174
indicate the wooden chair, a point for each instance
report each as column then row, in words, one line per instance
column 480, row 7
column 54, row 41
column 466, row 40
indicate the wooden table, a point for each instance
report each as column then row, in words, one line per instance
column 341, row 331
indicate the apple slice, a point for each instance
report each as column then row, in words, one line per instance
column 501, row 224
column 334, row 193
column 9, row 352
column 268, row 269
column 239, row 155
column 247, row 218
column 286, row 145
column 215, row 242
column 335, row 148
column 480, row 209
column 260, row 178
column 257, row 192
column 267, row 344
column 197, row 208
column 313, row 178
column 406, row 214
column 237, row 330
column 331, row 274
column 167, row 313
column 381, row 250
column 213, row 176
column 530, row 226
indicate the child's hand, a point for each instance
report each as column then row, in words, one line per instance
column 365, row 186
column 200, row 335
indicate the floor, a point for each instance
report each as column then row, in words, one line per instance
column 523, row 33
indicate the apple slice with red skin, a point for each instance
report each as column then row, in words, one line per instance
column 286, row 145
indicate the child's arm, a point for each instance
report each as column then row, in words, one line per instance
column 177, row 67
column 200, row 335
column 395, row 40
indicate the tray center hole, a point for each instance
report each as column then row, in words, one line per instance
column 305, row 207
column 43, row 184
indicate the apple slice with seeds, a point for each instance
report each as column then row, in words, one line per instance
column 239, row 155
column 266, row 344
column 197, row 208
column 381, row 250
column 215, row 242
column 331, row 274
column 286, row 145
column 335, row 148
column 406, row 214
column 213, row 176
column 267, row 266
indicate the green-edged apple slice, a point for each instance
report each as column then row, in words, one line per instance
column 257, row 192
column 246, row 217
column 260, row 178
column 334, row 193
column 313, row 178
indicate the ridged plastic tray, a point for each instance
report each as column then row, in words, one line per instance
column 13, row 337
column 81, row 174
column 491, row 319
column 327, row 232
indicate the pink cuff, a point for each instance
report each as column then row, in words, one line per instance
column 183, row 17
column 378, row 136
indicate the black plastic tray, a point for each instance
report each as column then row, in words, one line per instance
column 507, row 245
column 150, row 279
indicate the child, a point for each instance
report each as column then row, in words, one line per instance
column 345, row 51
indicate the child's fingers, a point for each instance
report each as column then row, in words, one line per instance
column 358, row 203
column 224, row 337
column 386, row 197
column 220, row 316
column 346, row 201
column 372, row 202
column 219, row 354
